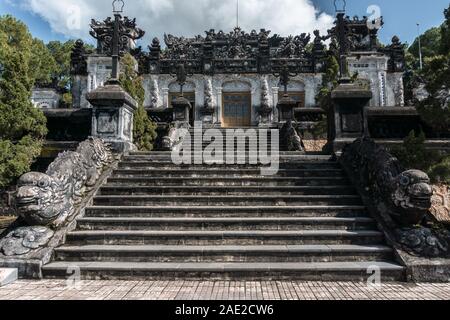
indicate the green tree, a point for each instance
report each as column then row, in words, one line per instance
column 60, row 52
column 413, row 154
column 430, row 41
column 144, row 129
column 445, row 33
column 44, row 65
column 22, row 127
column 435, row 110
column 323, row 98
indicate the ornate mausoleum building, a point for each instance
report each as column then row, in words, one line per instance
column 236, row 78
column 117, row 213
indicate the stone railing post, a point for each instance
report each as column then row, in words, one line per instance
column 347, row 118
column 181, row 110
column 112, row 116
column 286, row 106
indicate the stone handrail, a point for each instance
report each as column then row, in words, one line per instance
column 46, row 203
column 400, row 199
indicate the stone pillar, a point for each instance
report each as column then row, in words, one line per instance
column 166, row 101
column 181, row 109
column 112, row 116
column 286, row 108
column 79, row 88
column 347, row 119
column 219, row 107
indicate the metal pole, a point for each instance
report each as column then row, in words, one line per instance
column 237, row 13
column 420, row 47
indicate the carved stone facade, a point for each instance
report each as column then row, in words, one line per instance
column 251, row 62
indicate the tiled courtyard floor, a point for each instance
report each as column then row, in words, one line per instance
column 232, row 290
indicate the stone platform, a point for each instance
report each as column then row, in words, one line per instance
column 221, row 290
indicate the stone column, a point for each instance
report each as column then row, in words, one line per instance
column 166, row 101
column 347, row 119
column 112, row 116
column 181, row 110
column 275, row 92
column 286, row 108
column 79, row 88
column 218, row 120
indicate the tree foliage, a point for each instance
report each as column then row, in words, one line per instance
column 60, row 52
column 430, row 43
column 435, row 110
column 413, row 154
column 323, row 98
column 22, row 127
column 434, row 106
column 44, row 65
column 144, row 130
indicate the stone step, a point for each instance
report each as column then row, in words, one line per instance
column 235, row 173
column 238, row 224
column 257, row 200
column 147, row 155
column 301, row 159
column 199, row 238
column 168, row 164
column 282, row 253
column 229, row 181
column 325, row 271
column 226, row 211
column 111, row 189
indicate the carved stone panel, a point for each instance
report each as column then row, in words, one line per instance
column 107, row 123
column 127, row 125
column 351, row 123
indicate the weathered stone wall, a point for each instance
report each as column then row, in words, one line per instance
column 45, row 98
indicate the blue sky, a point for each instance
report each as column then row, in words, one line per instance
column 400, row 16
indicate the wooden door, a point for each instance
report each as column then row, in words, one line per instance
column 237, row 109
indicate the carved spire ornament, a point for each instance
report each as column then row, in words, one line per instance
column 116, row 37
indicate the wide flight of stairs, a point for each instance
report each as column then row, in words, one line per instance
column 155, row 220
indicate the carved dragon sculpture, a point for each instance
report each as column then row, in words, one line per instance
column 45, row 201
column 405, row 195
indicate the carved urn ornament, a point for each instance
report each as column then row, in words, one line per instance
column 265, row 110
column 155, row 98
column 208, row 107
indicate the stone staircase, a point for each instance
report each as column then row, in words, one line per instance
column 155, row 220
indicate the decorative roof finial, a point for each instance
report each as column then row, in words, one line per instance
column 118, row 6
column 340, row 6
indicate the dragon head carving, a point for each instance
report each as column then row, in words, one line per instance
column 38, row 200
column 412, row 196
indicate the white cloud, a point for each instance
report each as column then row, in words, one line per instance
column 183, row 17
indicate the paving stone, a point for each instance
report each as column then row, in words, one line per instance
column 8, row 276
